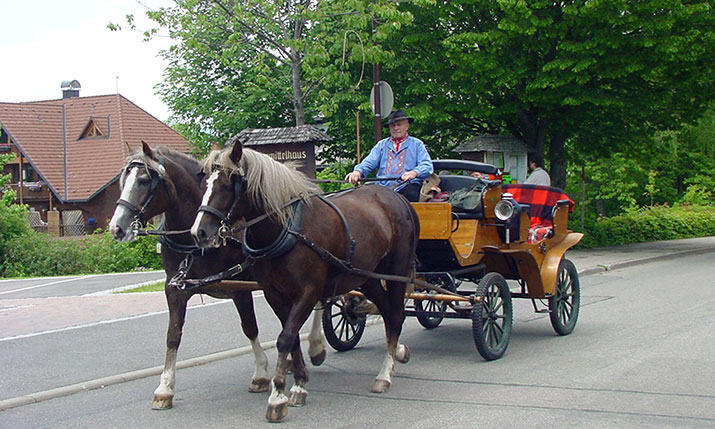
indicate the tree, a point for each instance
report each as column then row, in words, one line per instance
column 257, row 63
column 572, row 78
column 13, row 217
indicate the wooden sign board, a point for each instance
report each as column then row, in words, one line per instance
column 300, row 155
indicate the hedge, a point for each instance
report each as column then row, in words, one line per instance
column 34, row 255
column 651, row 224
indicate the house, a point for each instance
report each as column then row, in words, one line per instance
column 69, row 152
column 507, row 153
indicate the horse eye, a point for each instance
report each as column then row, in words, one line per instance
column 144, row 181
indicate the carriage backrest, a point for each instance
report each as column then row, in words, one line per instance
column 541, row 200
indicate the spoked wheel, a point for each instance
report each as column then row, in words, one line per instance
column 492, row 318
column 422, row 306
column 564, row 305
column 343, row 324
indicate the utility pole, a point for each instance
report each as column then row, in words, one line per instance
column 376, row 89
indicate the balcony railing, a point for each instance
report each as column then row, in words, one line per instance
column 30, row 190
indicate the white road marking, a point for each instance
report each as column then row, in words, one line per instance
column 49, row 284
column 119, row 319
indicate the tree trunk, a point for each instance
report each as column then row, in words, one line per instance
column 557, row 157
column 298, row 97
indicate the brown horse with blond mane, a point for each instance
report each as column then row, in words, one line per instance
column 293, row 225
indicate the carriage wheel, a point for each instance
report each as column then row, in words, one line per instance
column 342, row 325
column 492, row 318
column 564, row 305
column 431, row 322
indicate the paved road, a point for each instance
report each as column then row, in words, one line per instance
column 642, row 355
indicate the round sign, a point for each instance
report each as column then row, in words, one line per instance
column 386, row 99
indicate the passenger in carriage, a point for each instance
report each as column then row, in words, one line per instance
column 538, row 175
column 399, row 155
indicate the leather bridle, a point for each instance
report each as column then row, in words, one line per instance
column 139, row 212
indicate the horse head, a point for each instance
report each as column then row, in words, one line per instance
column 144, row 193
column 221, row 204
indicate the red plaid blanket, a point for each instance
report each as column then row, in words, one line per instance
column 542, row 200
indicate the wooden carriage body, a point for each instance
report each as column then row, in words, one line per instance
column 453, row 241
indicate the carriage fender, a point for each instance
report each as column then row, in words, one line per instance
column 552, row 260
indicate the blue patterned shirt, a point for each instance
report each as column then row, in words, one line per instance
column 411, row 156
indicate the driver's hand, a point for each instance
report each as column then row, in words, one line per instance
column 353, row 177
column 408, row 175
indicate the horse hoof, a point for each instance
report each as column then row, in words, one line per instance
column 277, row 412
column 318, row 359
column 402, row 354
column 298, row 397
column 259, row 385
column 162, row 402
column 380, row 386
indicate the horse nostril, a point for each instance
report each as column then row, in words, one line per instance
column 118, row 232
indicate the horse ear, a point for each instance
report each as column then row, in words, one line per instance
column 237, row 151
column 147, row 150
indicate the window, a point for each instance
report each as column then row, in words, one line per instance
column 96, row 128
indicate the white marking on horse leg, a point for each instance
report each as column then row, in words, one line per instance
column 204, row 202
column 260, row 380
column 164, row 394
column 298, row 396
column 277, row 397
column 384, row 378
column 388, row 365
column 316, row 339
column 402, row 353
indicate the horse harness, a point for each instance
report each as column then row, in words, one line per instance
column 139, row 212
column 286, row 240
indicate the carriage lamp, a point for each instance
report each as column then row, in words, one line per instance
column 506, row 208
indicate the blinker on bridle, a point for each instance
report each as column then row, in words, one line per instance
column 139, row 212
column 224, row 230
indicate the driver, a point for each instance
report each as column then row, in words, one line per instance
column 399, row 155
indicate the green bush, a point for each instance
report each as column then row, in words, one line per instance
column 651, row 224
column 32, row 255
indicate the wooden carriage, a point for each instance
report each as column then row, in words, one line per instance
column 515, row 232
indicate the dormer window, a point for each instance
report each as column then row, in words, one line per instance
column 96, row 128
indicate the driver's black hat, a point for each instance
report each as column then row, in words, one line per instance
column 397, row 115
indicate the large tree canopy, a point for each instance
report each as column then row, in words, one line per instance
column 597, row 72
column 573, row 79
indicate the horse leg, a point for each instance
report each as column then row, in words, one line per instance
column 391, row 306
column 292, row 317
column 164, row 394
column 298, row 394
column 244, row 304
column 316, row 339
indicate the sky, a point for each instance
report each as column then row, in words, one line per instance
column 45, row 42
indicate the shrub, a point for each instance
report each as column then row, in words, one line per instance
column 34, row 254
column 651, row 224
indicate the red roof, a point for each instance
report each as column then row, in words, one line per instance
column 94, row 162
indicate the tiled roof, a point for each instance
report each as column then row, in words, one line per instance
column 299, row 134
column 92, row 163
column 492, row 143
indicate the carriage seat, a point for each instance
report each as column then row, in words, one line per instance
column 451, row 183
column 543, row 202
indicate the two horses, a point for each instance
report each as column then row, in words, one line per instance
column 164, row 181
column 293, row 235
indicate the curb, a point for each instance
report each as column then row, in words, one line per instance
column 98, row 383
column 634, row 262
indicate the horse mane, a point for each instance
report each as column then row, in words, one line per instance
column 185, row 161
column 269, row 184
